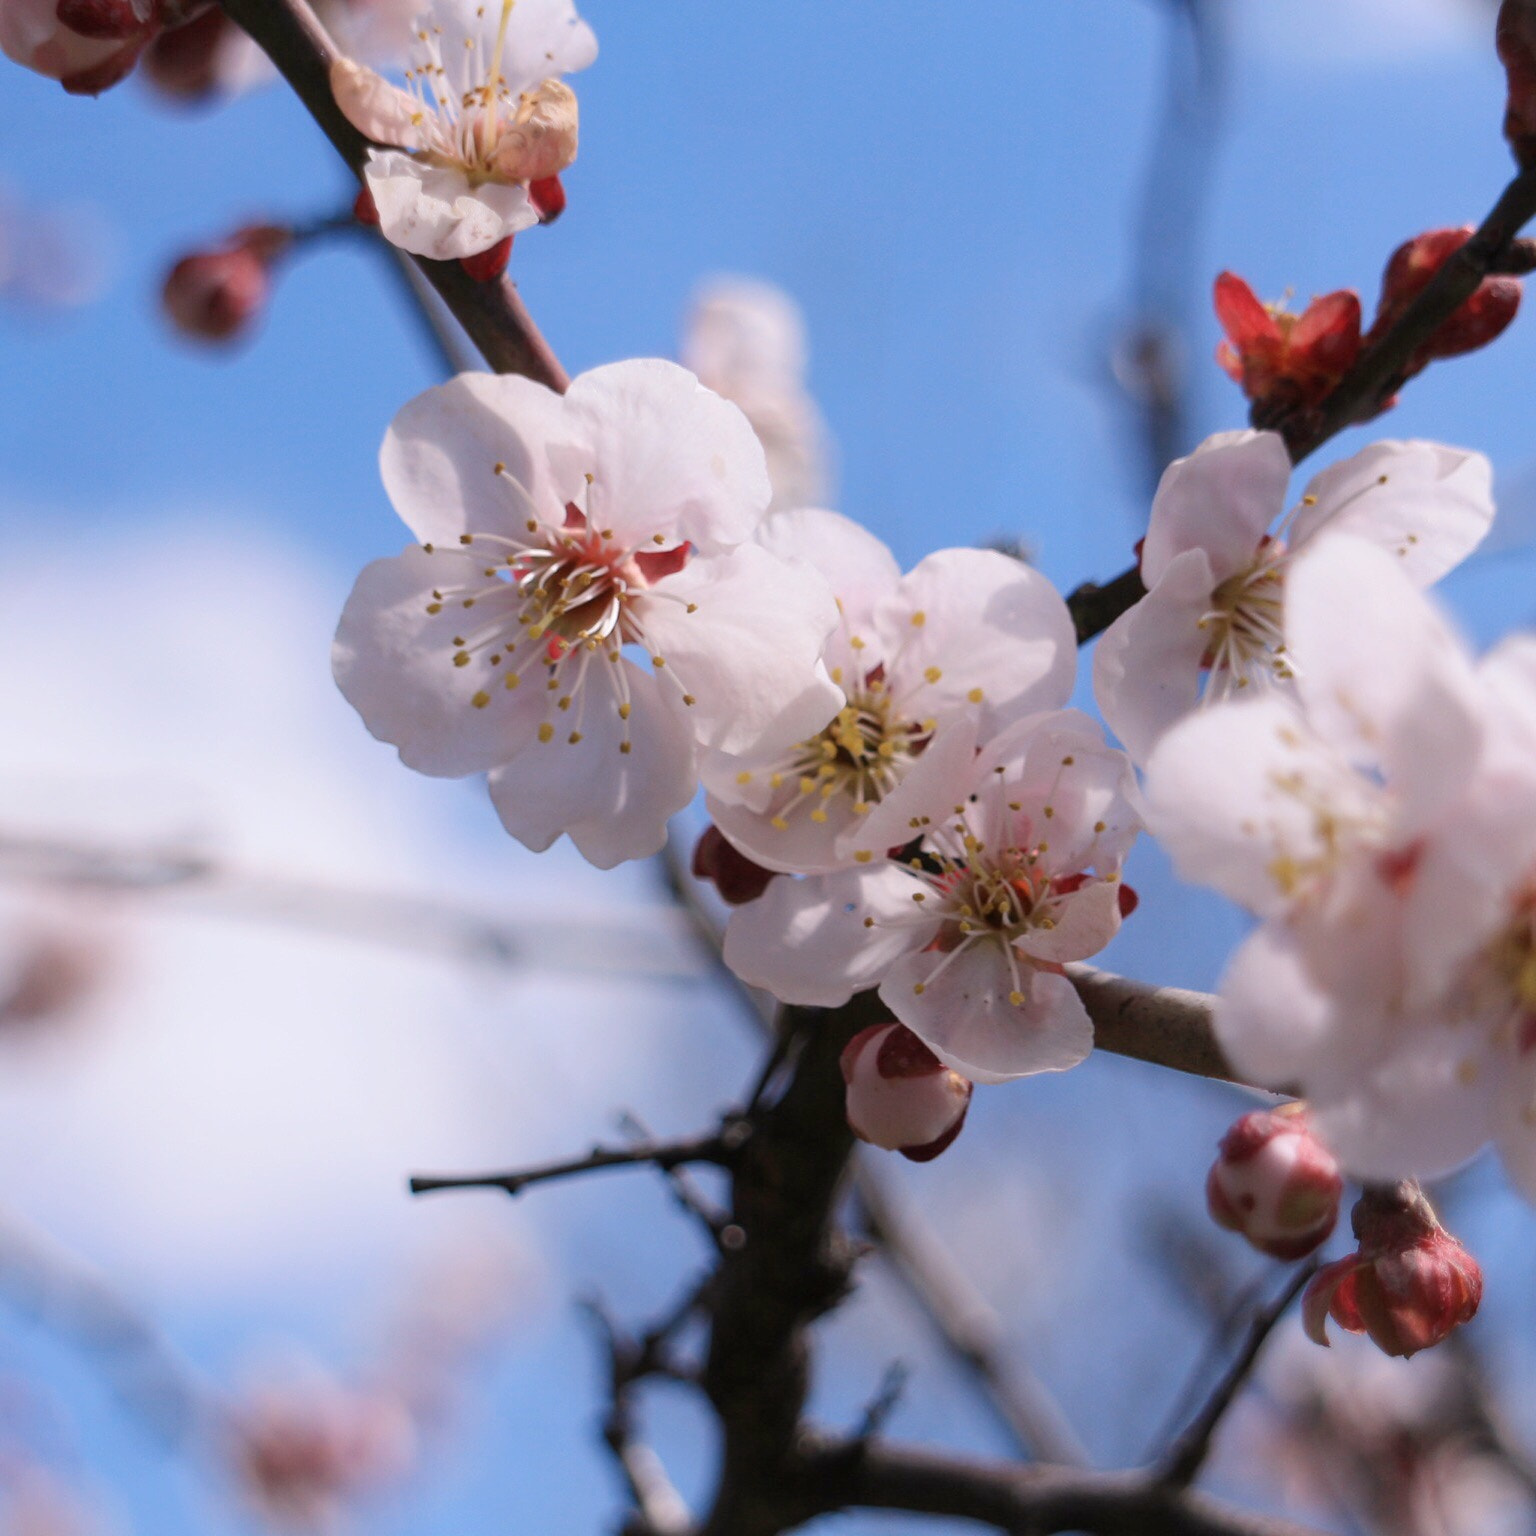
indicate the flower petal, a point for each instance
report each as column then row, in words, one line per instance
column 432, row 210
column 861, row 571
column 1222, row 499
column 1147, row 667
column 671, row 457
column 1084, row 921
column 964, row 1016
column 747, row 653
column 378, row 110
column 613, row 805
column 1429, row 505
column 806, row 941
column 394, row 663
column 972, row 627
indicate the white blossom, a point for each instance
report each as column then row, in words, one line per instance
column 485, row 114
column 1215, row 558
column 1019, row 873
column 967, row 632
column 1382, row 822
column 561, row 532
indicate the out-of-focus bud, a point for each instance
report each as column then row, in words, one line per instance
column 1473, row 324
column 217, row 295
column 1409, row 1285
column 1515, row 38
column 487, row 266
column 55, row 973
column 186, row 63
column 1276, row 1183
column 86, row 45
column 736, row 877
column 1283, row 361
column 302, row 1452
column 548, row 195
column 900, row 1095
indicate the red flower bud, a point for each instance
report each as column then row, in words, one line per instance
column 1515, row 38
column 117, row 20
column 548, row 197
column 1409, row 1285
column 216, row 295
column 487, row 266
column 736, row 877
column 1472, row 324
column 364, row 209
column 900, row 1095
column 1281, row 360
column 1275, row 1183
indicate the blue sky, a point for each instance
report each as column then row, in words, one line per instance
column 949, row 191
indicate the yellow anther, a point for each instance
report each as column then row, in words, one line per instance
column 918, row 988
column 546, row 732
column 624, row 711
column 744, row 777
column 1016, row 998
column 1100, row 826
column 779, row 824
column 434, row 608
column 461, row 658
column 624, row 747
column 818, row 815
column 573, row 738
column 658, row 661
column 932, row 674
column 511, row 680
column 689, row 700
column 919, row 619
column 481, row 699
column 862, row 856
column 427, row 549
column 501, row 467
column 975, row 695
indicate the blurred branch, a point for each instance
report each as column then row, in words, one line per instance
column 1376, row 375
column 1188, row 1453
column 720, row 1147
column 492, row 314
column 644, row 941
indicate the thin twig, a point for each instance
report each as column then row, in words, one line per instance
column 663, row 1155
column 1188, row 1453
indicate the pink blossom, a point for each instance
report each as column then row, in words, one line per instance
column 900, row 1095
column 1275, row 1183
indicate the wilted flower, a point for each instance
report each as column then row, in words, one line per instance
column 1213, row 621
column 967, row 937
column 1283, row 361
column 1276, row 1183
column 485, row 116
column 900, row 1095
column 560, row 532
column 967, row 632
column 1409, row 1285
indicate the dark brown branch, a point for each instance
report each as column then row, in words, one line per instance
column 1188, row 1453
column 1377, row 374
column 1030, row 1501
column 492, row 314
column 719, row 1147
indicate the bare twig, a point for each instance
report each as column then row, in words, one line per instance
column 1188, row 1453
column 492, row 314
column 685, row 1188
column 883, row 1404
column 713, row 1148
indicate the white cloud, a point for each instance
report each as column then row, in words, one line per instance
column 1361, row 33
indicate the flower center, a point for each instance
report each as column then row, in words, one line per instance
column 1244, row 627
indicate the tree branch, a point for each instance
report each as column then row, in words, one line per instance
column 492, row 314
column 1188, row 1453
column 1029, row 1501
column 719, row 1147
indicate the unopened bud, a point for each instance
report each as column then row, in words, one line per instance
column 1286, row 362
column 900, row 1095
column 216, row 295
column 736, row 877
column 1515, row 38
column 486, row 266
column 1473, row 324
column 1409, row 1285
column 1275, row 1183
column 186, row 62
column 548, row 197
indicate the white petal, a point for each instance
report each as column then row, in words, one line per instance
column 1248, row 799
column 1221, row 499
column 748, row 653
column 378, row 110
column 1423, row 1111
column 394, row 663
column 969, row 627
column 545, row 37
column 939, row 781
column 1425, row 503
column 432, row 210
column 440, row 455
column 613, row 805
column 964, row 1015
column 1146, row 669
column 1380, row 673
column 800, row 846
column 1085, row 921
column 861, row 571
column 671, row 457
column 806, row 941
